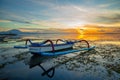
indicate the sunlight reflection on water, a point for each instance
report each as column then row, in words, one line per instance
column 92, row 37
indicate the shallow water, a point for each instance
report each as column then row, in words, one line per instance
column 101, row 63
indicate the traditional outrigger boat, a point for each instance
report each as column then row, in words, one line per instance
column 53, row 49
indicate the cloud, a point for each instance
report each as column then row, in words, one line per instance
column 9, row 16
column 5, row 21
column 50, row 24
column 76, row 14
column 71, row 13
column 44, row 3
column 104, row 5
column 109, row 4
column 57, row 13
column 113, row 18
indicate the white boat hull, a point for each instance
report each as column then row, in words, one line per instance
column 49, row 48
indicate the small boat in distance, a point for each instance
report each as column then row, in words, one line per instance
column 43, row 48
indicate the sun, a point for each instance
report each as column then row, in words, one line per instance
column 80, row 30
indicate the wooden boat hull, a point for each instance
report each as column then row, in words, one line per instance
column 53, row 49
column 49, row 48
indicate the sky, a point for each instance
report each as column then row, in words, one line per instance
column 47, row 14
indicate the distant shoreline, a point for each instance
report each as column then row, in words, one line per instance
column 8, row 34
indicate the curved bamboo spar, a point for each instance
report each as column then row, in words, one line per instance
column 52, row 45
column 75, row 41
column 27, row 41
column 44, row 43
column 53, row 49
column 59, row 40
column 86, row 42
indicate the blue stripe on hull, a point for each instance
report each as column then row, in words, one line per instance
column 21, row 47
column 63, row 52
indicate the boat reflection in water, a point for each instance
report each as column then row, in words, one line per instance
column 37, row 60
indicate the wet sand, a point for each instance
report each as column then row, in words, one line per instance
column 101, row 63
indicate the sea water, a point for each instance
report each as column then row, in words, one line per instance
column 102, row 63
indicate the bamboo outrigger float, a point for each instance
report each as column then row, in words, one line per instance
column 53, row 49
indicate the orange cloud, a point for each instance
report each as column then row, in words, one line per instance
column 95, row 29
